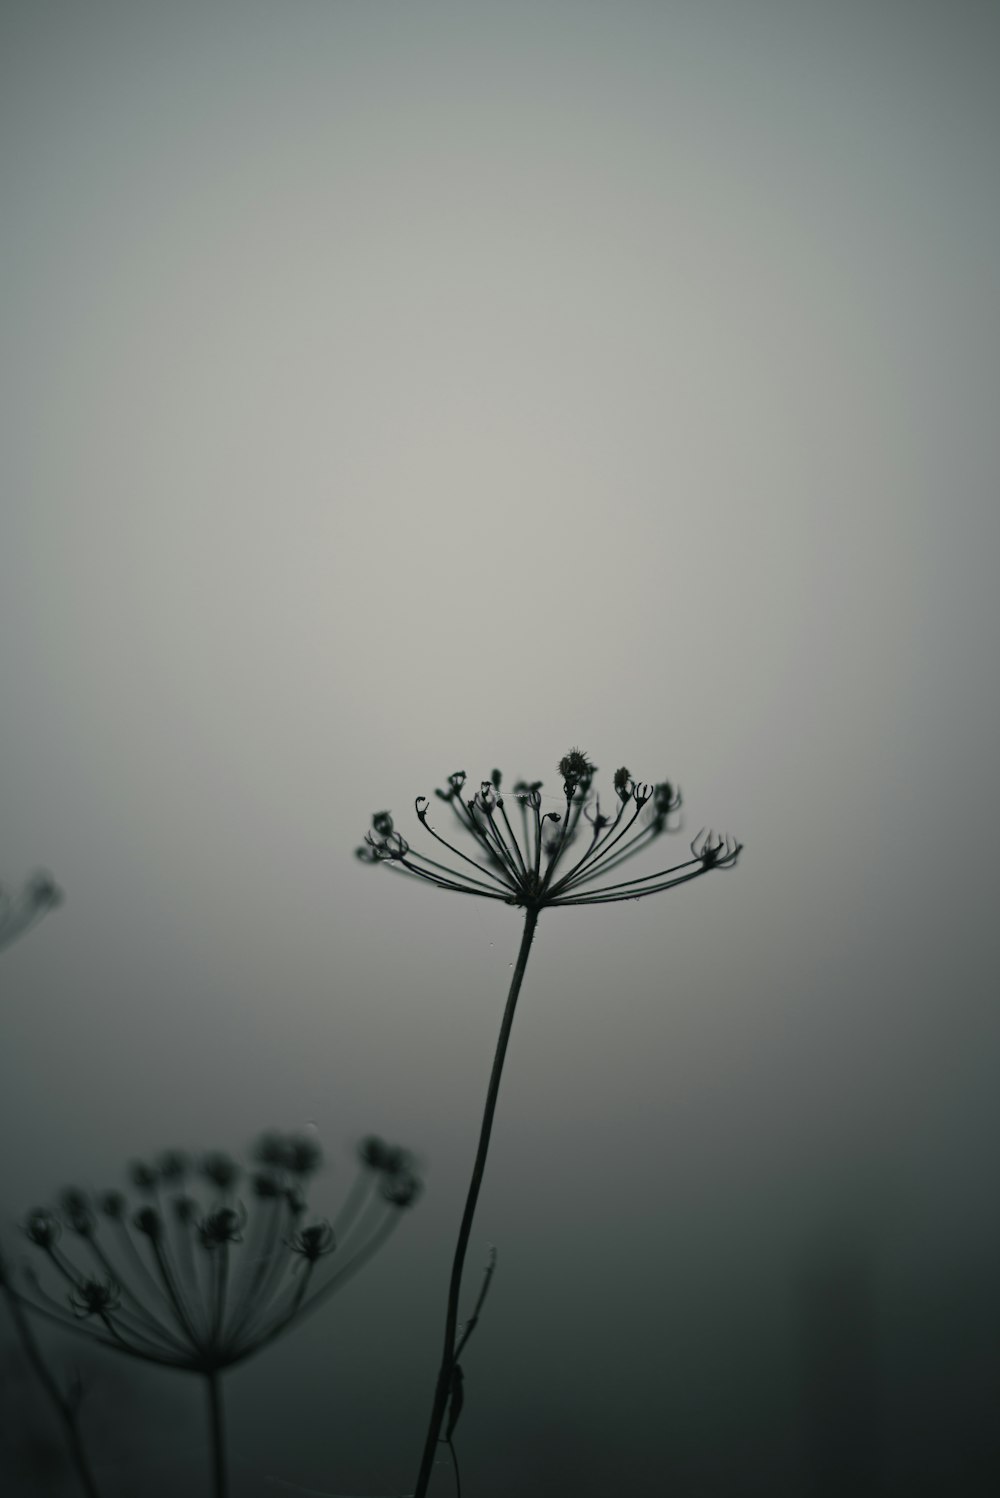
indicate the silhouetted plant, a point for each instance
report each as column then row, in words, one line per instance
column 19, row 912
column 553, row 862
column 65, row 1402
column 190, row 1276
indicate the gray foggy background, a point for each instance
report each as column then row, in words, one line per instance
column 396, row 388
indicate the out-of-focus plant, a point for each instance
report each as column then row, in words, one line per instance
column 207, row 1263
column 21, row 911
column 17, row 914
column 559, row 858
column 64, row 1402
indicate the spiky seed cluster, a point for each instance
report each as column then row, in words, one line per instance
column 559, row 857
column 314, row 1242
column 19, row 912
column 194, row 1278
column 95, row 1297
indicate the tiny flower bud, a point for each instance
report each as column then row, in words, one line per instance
column 400, row 1190
column 77, row 1211
column 313, row 1242
column 42, row 1228
column 373, row 1152
column 302, row 1155
column 173, row 1165
column 270, row 1148
column 143, row 1176
column 221, row 1227
column 147, row 1221
column 93, row 1297
column 219, row 1169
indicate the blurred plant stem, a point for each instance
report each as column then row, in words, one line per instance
column 220, row 1485
column 66, row 1407
column 450, row 1356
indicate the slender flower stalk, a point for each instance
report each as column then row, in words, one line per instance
column 565, row 857
column 189, row 1277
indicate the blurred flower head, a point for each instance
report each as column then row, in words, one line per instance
column 202, row 1280
column 18, row 912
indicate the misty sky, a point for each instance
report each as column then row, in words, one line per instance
column 397, row 388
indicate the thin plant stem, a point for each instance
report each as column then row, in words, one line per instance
column 64, row 1408
column 220, row 1484
column 444, row 1378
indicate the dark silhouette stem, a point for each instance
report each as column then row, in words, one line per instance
column 220, row 1485
column 446, row 1370
column 64, row 1408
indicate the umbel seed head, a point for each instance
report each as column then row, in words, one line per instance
column 535, row 858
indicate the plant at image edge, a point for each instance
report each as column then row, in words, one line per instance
column 560, row 858
column 198, row 1281
column 19, row 912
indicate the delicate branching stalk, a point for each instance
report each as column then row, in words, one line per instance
column 190, row 1278
column 457, row 1395
column 549, row 865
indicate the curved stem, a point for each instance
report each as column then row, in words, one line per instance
column 444, row 1378
column 220, row 1487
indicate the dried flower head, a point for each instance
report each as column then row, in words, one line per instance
column 569, row 856
column 557, row 857
column 224, row 1225
column 314, row 1242
column 94, row 1297
column 196, row 1282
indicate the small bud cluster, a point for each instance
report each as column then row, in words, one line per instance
column 399, row 1183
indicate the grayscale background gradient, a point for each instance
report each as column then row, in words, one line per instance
column 393, row 388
